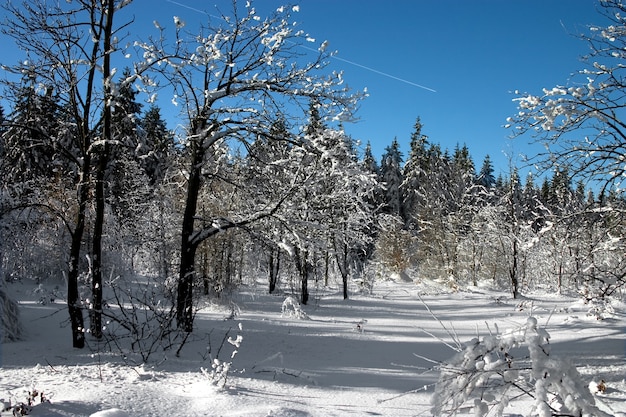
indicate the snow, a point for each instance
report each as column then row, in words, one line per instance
column 372, row 354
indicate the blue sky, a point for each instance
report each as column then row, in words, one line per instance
column 473, row 53
column 453, row 63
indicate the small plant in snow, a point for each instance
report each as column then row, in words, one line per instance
column 25, row 408
column 600, row 309
column 360, row 326
column 45, row 295
column 291, row 308
column 488, row 374
column 218, row 374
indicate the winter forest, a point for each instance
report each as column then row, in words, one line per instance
column 134, row 226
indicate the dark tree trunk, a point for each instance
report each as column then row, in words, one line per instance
column 302, row 265
column 274, row 265
column 73, row 297
column 96, row 283
column 184, row 300
column 187, row 273
column 513, row 270
column 304, row 276
column 96, row 279
column 344, row 270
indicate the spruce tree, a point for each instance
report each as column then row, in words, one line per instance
column 414, row 174
column 157, row 144
column 124, row 175
column 368, row 162
column 391, row 177
column 29, row 141
column 485, row 175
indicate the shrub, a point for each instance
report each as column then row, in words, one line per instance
column 488, row 374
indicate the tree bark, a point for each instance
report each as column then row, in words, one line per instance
column 274, row 266
column 73, row 297
column 96, row 282
column 95, row 312
column 187, row 272
column 303, row 268
column 513, row 270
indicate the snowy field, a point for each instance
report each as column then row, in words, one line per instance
column 371, row 355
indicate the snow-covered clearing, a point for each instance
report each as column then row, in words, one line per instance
column 358, row 357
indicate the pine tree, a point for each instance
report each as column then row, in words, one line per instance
column 485, row 175
column 2, row 125
column 157, row 144
column 414, row 174
column 391, row 177
column 369, row 162
column 125, row 177
column 29, row 141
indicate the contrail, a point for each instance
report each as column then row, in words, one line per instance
column 187, row 7
column 375, row 71
column 384, row 74
column 393, row 77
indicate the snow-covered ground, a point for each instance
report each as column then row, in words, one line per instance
column 358, row 357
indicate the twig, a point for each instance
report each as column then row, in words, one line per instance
column 51, row 367
column 453, row 335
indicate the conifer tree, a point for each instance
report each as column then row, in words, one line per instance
column 157, row 144
column 126, row 183
column 369, row 162
column 29, row 139
column 485, row 175
column 414, row 175
column 391, row 177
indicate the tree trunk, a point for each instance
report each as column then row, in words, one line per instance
column 187, row 273
column 184, row 300
column 96, row 283
column 73, row 297
column 513, row 270
column 273, row 265
column 303, row 268
column 304, row 277
column 344, row 268
column 96, row 279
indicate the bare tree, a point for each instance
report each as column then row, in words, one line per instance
column 69, row 48
column 232, row 79
column 581, row 124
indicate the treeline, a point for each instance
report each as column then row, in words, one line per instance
column 448, row 221
column 431, row 217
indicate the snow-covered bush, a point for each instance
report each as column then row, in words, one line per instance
column 292, row 308
column 220, row 368
column 489, row 373
column 10, row 318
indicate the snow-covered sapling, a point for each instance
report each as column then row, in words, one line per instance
column 218, row 374
column 488, row 374
column 291, row 308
